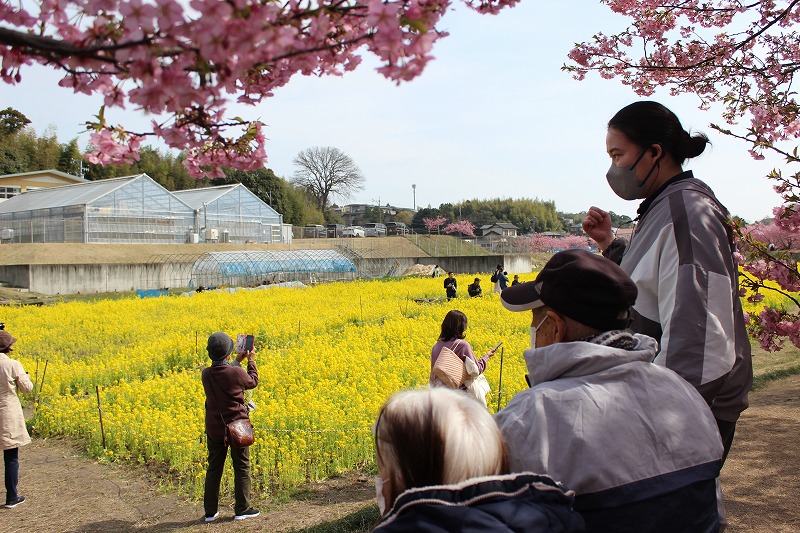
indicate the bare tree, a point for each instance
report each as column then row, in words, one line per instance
column 325, row 172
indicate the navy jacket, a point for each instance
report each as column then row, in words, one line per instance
column 516, row 502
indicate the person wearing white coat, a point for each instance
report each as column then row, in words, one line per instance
column 13, row 434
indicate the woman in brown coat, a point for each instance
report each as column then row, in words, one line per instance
column 13, row 434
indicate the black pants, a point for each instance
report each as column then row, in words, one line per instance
column 726, row 431
column 11, row 460
column 217, row 451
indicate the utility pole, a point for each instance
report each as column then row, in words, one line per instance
column 414, row 188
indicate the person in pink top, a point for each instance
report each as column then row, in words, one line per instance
column 452, row 336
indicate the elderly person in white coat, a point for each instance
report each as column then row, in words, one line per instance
column 13, row 433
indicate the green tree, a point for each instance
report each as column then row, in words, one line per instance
column 70, row 159
column 405, row 217
column 12, row 121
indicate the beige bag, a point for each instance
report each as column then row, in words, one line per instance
column 450, row 369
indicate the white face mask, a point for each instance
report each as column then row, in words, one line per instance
column 533, row 332
column 379, row 494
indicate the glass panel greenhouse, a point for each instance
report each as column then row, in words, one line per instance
column 232, row 213
column 133, row 209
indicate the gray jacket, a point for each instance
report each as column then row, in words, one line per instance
column 611, row 425
column 681, row 258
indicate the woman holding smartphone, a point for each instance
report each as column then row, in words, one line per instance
column 452, row 336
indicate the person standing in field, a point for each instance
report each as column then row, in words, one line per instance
column 13, row 433
column 452, row 336
column 502, row 280
column 450, row 285
column 680, row 256
column 224, row 385
column 474, row 289
column 498, row 271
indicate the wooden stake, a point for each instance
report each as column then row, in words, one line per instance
column 100, row 410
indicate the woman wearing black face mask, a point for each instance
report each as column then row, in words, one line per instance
column 680, row 256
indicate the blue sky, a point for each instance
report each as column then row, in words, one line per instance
column 492, row 116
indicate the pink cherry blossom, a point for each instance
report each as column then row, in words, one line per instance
column 186, row 61
column 743, row 56
column 433, row 224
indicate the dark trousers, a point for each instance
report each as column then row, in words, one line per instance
column 11, row 460
column 726, row 431
column 217, row 451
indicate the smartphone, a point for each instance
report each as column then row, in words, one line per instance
column 244, row 343
column 496, row 346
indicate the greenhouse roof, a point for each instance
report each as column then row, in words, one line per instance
column 197, row 197
column 256, row 263
column 233, row 200
column 67, row 195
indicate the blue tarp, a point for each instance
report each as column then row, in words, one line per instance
column 153, row 293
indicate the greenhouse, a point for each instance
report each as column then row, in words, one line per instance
column 132, row 209
column 232, row 213
column 247, row 268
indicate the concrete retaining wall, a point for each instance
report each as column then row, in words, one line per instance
column 16, row 275
column 94, row 278
column 513, row 264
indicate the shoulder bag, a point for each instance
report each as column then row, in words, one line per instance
column 450, row 368
column 477, row 385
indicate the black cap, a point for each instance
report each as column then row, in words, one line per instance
column 219, row 346
column 583, row 286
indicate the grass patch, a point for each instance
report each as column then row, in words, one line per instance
column 360, row 521
column 769, row 366
column 761, row 380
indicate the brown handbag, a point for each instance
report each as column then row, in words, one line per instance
column 240, row 433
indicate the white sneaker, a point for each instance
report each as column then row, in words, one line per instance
column 211, row 518
column 250, row 513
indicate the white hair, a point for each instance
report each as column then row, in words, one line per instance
column 436, row 436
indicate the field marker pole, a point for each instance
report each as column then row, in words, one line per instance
column 500, row 385
column 100, row 410
column 35, row 383
column 44, row 374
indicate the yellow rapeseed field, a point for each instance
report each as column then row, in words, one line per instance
column 328, row 357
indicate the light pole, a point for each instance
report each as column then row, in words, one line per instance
column 414, row 188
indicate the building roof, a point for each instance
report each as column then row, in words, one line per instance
column 38, row 175
column 68, row 195
column 504, row 225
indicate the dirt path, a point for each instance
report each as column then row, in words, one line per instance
column 762, row 474
column 67, row 493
